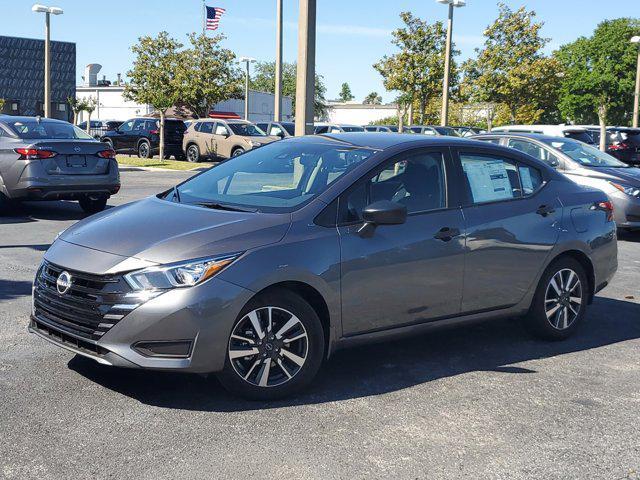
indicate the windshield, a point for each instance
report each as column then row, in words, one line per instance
column 246, row 129
column 36, row 130
column 290, row 128
column 278, row 177
column 585, row 154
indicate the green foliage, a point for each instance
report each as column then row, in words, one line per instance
column 373, row 99
column 511, row 68
column 264, row 80
column 2, row 103
column 599, row 74
column 386, row 121
column 417, row 70
column 207, row 74
column 345, row 93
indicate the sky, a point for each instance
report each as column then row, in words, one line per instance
column 352, row 35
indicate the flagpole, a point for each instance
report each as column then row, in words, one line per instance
column 204, row 17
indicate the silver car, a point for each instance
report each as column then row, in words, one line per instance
column 585, row 165
column 44, row 159
column 263, row 266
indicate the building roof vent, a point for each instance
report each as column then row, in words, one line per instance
column 91, row 74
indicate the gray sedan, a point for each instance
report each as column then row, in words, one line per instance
column 585, row 165
column 44, row 159
column 263, row 266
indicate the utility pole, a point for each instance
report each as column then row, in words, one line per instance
column 636, row 94
column 247, row 61
column 277, row 114
column 444, row 115
column 47, row 52
column 306, row 72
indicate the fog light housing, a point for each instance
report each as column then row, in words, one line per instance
column 164, row 349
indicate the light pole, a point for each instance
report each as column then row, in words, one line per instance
column 278, row 80
column 447, row 58
column 47, row 53
column 247, row 61
column 306, row 70
column 636, row 94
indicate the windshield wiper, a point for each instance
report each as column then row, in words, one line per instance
column 224, row 206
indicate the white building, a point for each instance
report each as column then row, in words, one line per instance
column 359, row 113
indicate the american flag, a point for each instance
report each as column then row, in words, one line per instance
column 213, row 17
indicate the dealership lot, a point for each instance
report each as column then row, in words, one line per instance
column 482, row 401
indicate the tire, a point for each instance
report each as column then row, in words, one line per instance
column 144, row 149
column 237, row 151
column 193, row 153
column 552, row 324
column 5, row 204
column 285, row 361
column 92, row 206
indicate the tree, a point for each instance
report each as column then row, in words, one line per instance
column 207, row 74
column 599, row 74
column 373, row 99
column 77, row 106
column 511, row 68
column 154, row 76
column 417, row 70
column 89, row 105
column 345, row 93
column 264, row 81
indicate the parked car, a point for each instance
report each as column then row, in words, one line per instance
column 261, row 267
column 468, row 131
column 381, row 128
column 431, row 130
column 141, row 136
column 585, row 165
column 622, row 142
column 321, row 128
column 98, row 128
column 222, row 139
column 278, row 129
column 565, row 131
column 45, row 159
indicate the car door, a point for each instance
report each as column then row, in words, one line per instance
column 512, row 222
column 122, row 136
column 409, row 273
column 137, row 132
column 220, row 137
column 205, row 139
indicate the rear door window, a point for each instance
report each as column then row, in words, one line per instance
column 206, row 127
column 535, row 151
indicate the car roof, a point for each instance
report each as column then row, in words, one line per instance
column 575, row 128
column 534, row 136
column 386, row 139
column 15, row 118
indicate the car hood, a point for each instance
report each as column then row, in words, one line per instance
column 159, row 231
column 629, row 176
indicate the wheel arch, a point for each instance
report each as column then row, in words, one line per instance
column 586, row 263
column 314, row 298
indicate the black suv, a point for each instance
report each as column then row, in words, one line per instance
column 622, row 142
column 142, row 136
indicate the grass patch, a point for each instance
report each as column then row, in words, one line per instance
column 157, row 163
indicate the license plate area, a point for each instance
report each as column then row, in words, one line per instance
column 76, row 161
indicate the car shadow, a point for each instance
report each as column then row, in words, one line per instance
column 633, row 236
column 39, row 247
column 25, row 212
column 11, row 289
column 493, row 346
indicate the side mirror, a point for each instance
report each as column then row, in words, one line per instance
column 382, row 212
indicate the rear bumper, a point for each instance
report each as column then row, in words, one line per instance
column 38, row 191
column 626, row 210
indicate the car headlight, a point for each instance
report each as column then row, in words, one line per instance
column 628, row 189
column 187, row 274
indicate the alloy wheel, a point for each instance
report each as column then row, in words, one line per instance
column 143, row 149
column 268, row 346
column 563, row 299
column 192, row 153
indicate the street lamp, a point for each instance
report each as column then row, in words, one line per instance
column 247, row 61
column 636, row 94
column 48, row 11
column 447, row 58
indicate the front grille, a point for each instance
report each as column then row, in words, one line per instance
column 92, row 305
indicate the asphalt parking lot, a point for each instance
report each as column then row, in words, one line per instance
column 484, row 401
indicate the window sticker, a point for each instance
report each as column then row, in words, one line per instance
column 488, row 180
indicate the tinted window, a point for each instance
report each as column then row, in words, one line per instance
column 197, row 126
column 206, row 127
column 631, row 138
column 393, row 129
column 352, row 129
column 263, row 126
column 447, row 131
column 534, row 150
column 126, row 126
column 246, row 129
column 289, row 127
column 323, row 129
column 370, row 129
column 416, row 181
column 278, row 177
column 33, row 129
column 490, row 178
column 154, row 125
column 580, row 136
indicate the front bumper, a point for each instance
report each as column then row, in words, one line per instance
column 203, row 315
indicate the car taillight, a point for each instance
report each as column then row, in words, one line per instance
column 619, row 146
column 154, row 132
column 34, row 153
column 606, row 207
column 107, row 153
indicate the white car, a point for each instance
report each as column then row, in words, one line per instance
column 565, row 131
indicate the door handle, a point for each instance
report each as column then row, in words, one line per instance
column 446, row 234
column 545, row 210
